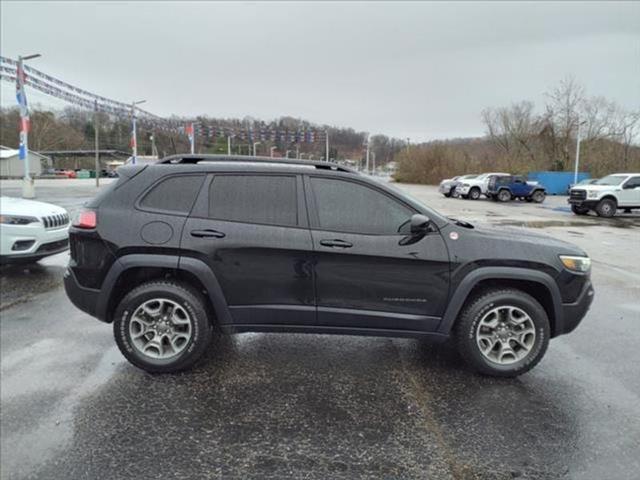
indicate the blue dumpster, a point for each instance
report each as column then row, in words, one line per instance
column 557, row 183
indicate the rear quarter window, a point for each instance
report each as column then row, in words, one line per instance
column 174, row 194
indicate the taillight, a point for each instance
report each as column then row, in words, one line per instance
column 86, row 219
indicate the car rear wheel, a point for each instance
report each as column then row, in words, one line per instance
column 504, row 195
column 538, row 196
column 502, row 332
column 162, row 326
column 606, row 208
column 474, row 193
column 579, row 210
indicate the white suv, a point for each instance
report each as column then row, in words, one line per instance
column 475, row 187
column 605, row 196
column 31, row 230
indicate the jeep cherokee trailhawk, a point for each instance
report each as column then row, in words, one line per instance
column 174, row 252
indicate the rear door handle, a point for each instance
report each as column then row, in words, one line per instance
column 336, row 243
column 207, row 234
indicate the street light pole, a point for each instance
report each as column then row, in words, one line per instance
column 28, row 188
column 134, row 133
column 367, row 164
column 575, row 173
column 229, row 145
column 326, row 139
column 96, row 139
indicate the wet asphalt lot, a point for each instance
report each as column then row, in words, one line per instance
column 310, row 406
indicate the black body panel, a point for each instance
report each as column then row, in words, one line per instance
column 302, row 277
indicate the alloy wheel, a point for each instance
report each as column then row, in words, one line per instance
column 160, row 328
column 505, row 335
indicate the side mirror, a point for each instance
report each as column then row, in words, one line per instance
column 419, row 224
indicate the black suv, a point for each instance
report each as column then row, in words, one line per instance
column 173, row 252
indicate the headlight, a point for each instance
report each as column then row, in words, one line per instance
column 576, row 264
column 17, row 220
column 592, row 194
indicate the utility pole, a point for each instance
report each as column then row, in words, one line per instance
column 28, row 187
column 373, row 155
column 229, row 145
column 96, row 132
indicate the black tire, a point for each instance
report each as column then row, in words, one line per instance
column 579, row 209
column 606, row 208
column 538, row 196
column 475, row 193
column 447, row 194
column 504, row 195
column 467, row 327
column 187, row 298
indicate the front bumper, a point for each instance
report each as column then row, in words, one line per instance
column 573, row 313
column 32, row 241
column 587, row 203
column 35, row 254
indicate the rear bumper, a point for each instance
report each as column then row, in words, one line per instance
column 86, row 299
column 573, row 313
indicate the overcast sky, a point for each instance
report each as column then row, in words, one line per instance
column 418, row 70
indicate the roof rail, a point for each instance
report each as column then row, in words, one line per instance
column 194, row 159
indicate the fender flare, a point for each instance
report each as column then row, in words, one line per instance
column 467, row 284
column 192, row 265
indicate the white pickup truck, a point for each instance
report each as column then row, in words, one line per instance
column 607, row 195
column 473, row 188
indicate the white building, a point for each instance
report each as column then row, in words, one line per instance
column 12, row 167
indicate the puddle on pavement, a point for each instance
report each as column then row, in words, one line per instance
column 615, row 223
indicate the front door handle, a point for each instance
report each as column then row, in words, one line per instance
column 207, row 234
column 336, row 243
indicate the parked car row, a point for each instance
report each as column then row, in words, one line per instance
column 498, row 186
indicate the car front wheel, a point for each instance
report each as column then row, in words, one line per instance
column 502, row 332
column 504, row 195
column 162, row 326
column 474, row 193
column 606, row 208
column 538, row 196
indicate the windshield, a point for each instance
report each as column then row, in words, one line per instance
column 610, row 180
column 468, row 177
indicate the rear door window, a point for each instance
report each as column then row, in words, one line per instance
column 261, row 199
column 174, row 194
